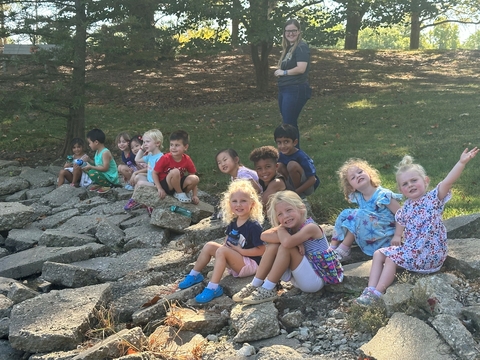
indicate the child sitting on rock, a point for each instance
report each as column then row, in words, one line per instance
column 169, row 172
column 265, row 163
column 242, row 210
column 71, row 171
column 419, row 220
column 104, row 173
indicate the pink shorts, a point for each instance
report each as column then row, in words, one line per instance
column 250, row 268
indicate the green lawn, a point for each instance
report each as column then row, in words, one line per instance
column 431, row 115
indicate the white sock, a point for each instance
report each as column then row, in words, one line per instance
column 269, row 285
column 194, row 273
column 256, row 282
column 212, row 286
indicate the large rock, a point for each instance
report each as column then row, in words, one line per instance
column 63, row 238
column 57, row 320
column 30, row 262
column 462, row 227
column 22, row 239
column 436, row 295
column 14, row 215
column 37, row 193
column 37, row 178
column 457, row 336
column 355, row 278
column 206, row 230
column 63, row 194
column 406, row 337
column 462, row 258
column 115, row 345
column 9, row 353
column 11, row 185
column 199, row 321
column 148, row 196
column 146, row 236
column 55, row 220
column 68, row 275
column 255, row 322
column 110, row 235
column 169, row 220
column 278, row 352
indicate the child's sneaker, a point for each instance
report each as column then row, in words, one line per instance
column 128, row 187
column 260, row 295
column 104, row 189
column 131, row 205
column 182, row 197
column 190, row 280
column 94, row 187
column 244, row 293
column 342, row 254
column 367, row 298
column 208, row 295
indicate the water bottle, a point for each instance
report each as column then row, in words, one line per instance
column 180, row 210
column 69, row 158
column 234, row 237
column 80, row 162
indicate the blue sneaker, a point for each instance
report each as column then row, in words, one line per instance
column 129, row 187
column 208, row 295
column 190, row 280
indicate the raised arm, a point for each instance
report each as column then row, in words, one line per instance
column 455, row 173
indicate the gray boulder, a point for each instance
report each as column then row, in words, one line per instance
column 19, row 292
column 57, row 320
column 68, row 275
column 169, row 220
column 406, row 337
column 55, row 220
column 14, row 215
column 63, row 194
column 60, row 238
column 462, row 227
column 37, row 193
column 11, row 185
column 110, row 235
column 278, row 352
column 457, row 336
column 37, row 178
column 462, row 258
column 22, row 239
column 146, row 236
column 30, row 262
column 254, row 322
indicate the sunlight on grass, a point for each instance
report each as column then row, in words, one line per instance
column 362, row 104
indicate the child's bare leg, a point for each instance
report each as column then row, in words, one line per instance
column 173, row 180
column 142, row 181
column 77, row 175
column 191, row 181
column 295, row 172
column 125, row 171
column 286, row 258
column 224, row 257
column 387, row 277
column 62, row 175
column 208, row 251
column 267, row 261
column 377, row 268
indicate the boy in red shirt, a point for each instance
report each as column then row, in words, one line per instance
column 169, row 172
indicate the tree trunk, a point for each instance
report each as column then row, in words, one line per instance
column 260, row 54
column 355, row 15
column 234, row 37
column 415, row 31
column 76, row 120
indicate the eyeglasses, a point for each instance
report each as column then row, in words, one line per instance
column 291, row 32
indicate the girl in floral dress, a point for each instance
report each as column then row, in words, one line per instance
column 372, row 225
column 420, row 221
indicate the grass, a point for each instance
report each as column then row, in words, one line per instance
column 432, row 117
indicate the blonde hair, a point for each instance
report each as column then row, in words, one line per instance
column 246, row 187
column 286, row 196
column 286, row 44
column 407, row 164
column 156, row 135
column 361, row 164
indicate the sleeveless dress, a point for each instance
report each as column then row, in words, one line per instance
column 372, row 224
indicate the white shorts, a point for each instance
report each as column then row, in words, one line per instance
column 305, row 278
column 250, row 268
column 84, row 180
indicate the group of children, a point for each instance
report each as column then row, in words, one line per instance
column 294, row 249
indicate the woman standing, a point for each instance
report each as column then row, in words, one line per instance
column 292, row 74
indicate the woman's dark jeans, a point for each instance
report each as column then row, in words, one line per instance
column 291, row 99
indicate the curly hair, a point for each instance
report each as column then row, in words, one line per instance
column 286, row 196
column 264, row 153
column 407, row 164
column 361, row 164
column 246, row 187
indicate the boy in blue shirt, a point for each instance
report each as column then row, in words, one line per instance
column 294, row 164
